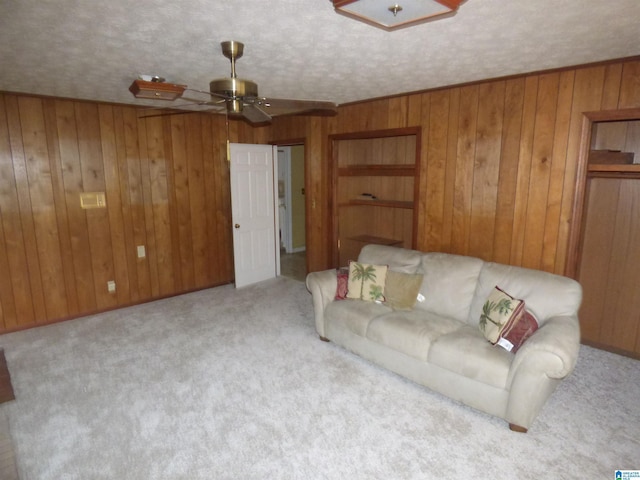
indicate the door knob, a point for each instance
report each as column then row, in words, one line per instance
column 237, row 225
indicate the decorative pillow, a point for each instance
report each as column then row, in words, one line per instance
column 401, row 289
column 513, row 338
column 505, row 321
column 366, row 281
column 342, row 275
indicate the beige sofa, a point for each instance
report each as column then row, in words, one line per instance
column 438, row 343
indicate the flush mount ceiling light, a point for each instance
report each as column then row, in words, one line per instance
column 390, row 15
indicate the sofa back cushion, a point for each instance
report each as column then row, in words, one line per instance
column 449, row 284
column 546, row 295
column 398, row 259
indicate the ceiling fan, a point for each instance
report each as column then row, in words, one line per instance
column 233, row 96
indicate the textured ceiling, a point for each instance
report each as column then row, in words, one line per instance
column 296, row 49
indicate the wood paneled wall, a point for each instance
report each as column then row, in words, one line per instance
column 498, row 165
column 167, row 188
column 498, row 173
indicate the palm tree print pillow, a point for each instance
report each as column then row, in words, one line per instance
column 505, row 321
column 366, row 281
column 499, row 309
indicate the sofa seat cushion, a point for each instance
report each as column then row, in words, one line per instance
column 411, row 333
column 355, row 315
column 467, row 353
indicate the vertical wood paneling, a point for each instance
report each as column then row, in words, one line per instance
column 398, row 112
column 436, row 145
column 421, row 226
column 558, row 167
column 124, row 181
column 195, row 175
column 9, row 217
column 56, row 258
column 61, row 207
column 214, row 265
column 541, row 157
column 113, row 189
column 134, row 201
column 587, row 96
column 599, row 233
column 160, row 221
column 486, row 169
column 524, row 169
column 224, row 239
column 181, row 214
column 465, row 163
column 450, row 174
column 93, row 180
column 611, row 90
column 630, row 85
column 28, row 249
column 503, row 187
column 508, row 174
column 498, row 177
column 73, row 186
column 145, row 180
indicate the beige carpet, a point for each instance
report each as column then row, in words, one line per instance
column 234, row 384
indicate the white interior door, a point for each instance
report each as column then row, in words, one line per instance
column 256, row 251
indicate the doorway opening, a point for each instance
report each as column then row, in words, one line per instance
column 291, row 211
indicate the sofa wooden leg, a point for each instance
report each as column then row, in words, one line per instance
column 324, row 339
column 517, row 428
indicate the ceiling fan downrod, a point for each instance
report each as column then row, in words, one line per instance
column 233, row 88
column 232, row 50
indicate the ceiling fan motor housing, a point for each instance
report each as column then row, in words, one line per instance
column 234, row 89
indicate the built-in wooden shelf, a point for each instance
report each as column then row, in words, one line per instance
column 608, row 167
column 613, row 171
column 382, row 164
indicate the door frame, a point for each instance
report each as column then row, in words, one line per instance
column 308, row 205
column 579, row 197
column 286, row 150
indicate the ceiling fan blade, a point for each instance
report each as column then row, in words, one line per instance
column 254, row 114
column 169, row 111
column 211, row 94
column 192, row 105
column 283, row 106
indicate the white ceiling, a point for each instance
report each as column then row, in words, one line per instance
column 296, row 49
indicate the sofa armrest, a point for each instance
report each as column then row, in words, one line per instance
column 548, row 356
column 553, row 348
column 322, row 286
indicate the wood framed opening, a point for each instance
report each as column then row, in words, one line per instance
column 604, row 248
column 375, row 178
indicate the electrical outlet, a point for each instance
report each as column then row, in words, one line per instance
column 111, row 286
column 141, row 251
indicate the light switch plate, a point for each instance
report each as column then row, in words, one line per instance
column 92, row 200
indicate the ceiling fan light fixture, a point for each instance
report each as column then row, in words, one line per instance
column 393, row 16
